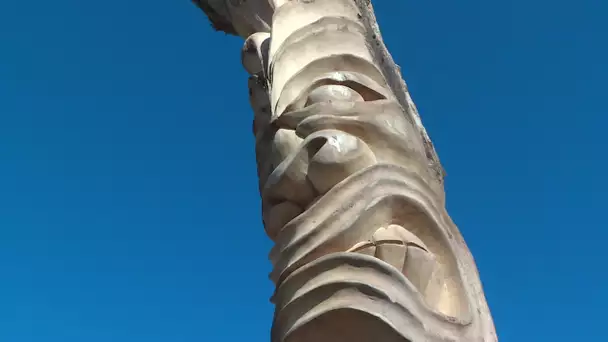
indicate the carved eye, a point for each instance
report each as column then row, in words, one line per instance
column 333, row 92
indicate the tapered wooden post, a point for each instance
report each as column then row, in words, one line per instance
column 351, row 186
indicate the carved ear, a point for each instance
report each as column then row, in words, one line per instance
column 254, row 57
column 254, row 54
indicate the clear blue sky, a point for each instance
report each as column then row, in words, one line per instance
column 128, row 193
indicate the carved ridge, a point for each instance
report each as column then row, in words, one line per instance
column 370, row 284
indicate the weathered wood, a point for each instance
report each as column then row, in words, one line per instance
column 352, row 188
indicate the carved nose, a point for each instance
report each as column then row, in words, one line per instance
column 335, row 156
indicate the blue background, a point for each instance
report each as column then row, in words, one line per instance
column 128, row 193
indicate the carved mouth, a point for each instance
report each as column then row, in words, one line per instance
column 407, row 253
column 409, row 234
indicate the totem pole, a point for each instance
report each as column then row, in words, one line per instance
column 351, row 186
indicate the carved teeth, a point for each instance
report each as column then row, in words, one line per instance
column 407, row 236
column 405, row 251
column 389, row 247
column 365, row 247
column 419, row 267
column 395, row 232
column 385, row 235
column 435, row 287
column 391, row 253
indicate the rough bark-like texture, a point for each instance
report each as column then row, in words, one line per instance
column 351, row 186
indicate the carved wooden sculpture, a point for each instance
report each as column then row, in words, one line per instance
column 352, row 189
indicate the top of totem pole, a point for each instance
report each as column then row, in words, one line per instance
column 217, row 13
column 238, row 17
column 246, row 17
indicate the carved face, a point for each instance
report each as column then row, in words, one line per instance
column 365, row 250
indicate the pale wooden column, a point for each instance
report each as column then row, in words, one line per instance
column 352, row 188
